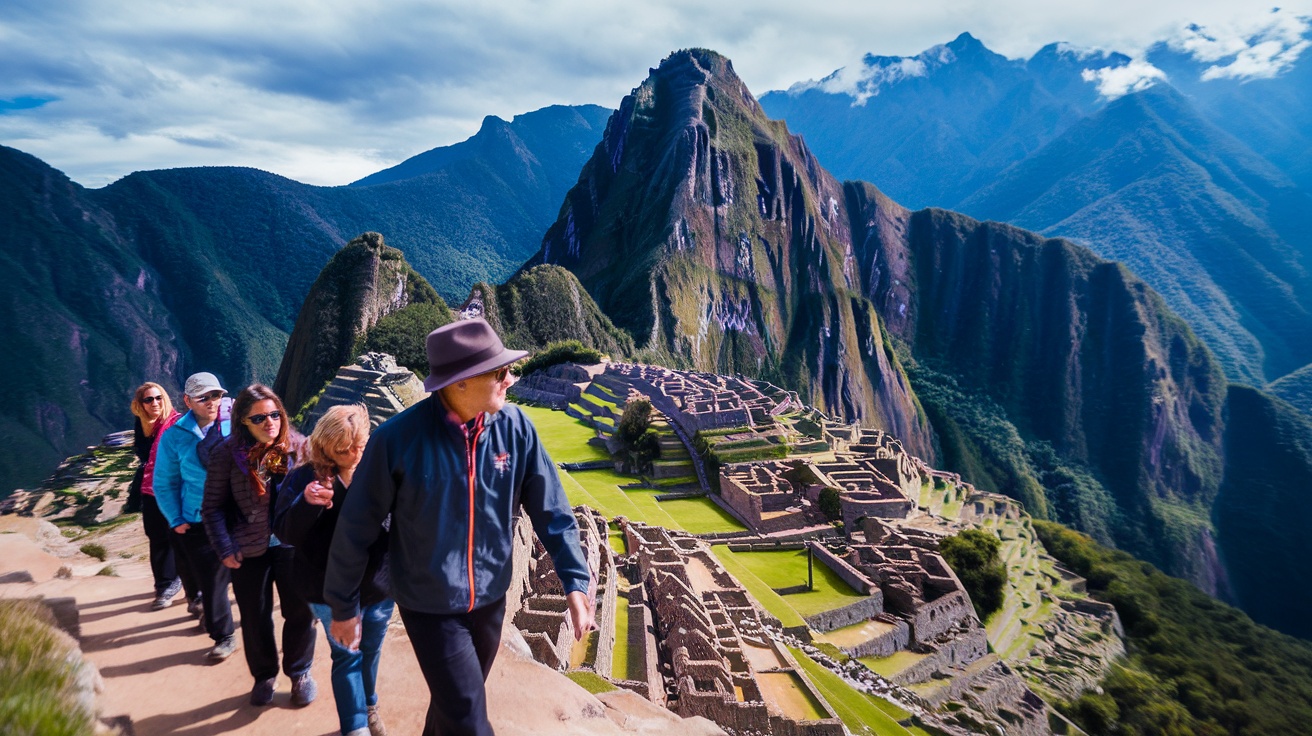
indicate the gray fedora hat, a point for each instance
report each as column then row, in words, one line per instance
column 463, row 349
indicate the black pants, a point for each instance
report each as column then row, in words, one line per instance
column 196, row 554
column 455, row 653
column 163, row 562
column 252, row 585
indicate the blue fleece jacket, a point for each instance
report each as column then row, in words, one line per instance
column 179, row 475
column 452, row 520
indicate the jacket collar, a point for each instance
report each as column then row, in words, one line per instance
column 444, row 417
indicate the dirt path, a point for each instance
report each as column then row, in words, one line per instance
column 154, row 668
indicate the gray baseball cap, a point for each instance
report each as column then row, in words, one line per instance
column 199, row 384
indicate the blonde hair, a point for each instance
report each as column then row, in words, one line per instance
column 139, row 409
column 341, row 426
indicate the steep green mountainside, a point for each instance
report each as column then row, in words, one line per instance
column 1220, row 233
column 167, row 272
column 362, row 284
column 1194, row 665
column 81, row 321
column 1075, row 351
column 1272, row 114
column 1263, row 509
column 547, row 304
column 716, row 239
column 1296, row 388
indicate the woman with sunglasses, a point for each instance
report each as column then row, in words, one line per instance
column 244, row 473
column 154, row 413
column 309, row 502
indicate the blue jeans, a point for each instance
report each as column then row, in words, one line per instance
column 355, row 674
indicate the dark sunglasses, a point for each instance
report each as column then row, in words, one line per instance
column 207, row 398
column 151, row 399
column 500, row 374
column 258, row 419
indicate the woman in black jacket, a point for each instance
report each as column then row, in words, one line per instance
column 309, row 502
column 240, row 486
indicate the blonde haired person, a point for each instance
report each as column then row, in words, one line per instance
column 309, row 502
column 154, row 413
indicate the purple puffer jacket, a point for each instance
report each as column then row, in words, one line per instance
column 236, row 519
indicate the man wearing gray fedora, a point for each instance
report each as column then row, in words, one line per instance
column 452, row 470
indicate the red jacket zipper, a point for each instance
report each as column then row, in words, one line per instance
column 471, row 445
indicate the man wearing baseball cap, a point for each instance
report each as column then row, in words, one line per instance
column 179, row 488
column 452, row 470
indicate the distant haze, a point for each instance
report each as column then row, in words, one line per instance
column 331, row 91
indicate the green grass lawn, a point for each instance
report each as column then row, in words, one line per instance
column 892, row 664
column 787, row 568
column 701, row 516
column 565, row 437
column 590, row 681
column 763, row 593
column 861, row 713
column 620, row 663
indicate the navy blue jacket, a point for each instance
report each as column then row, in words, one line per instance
column 452, row 519
column 310, row 528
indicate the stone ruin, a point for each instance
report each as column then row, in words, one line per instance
column 556, row 386
column 90, row 488
column 376, row 381
column 536, row 600
column 715, row 657
column 872, row 474
column 703, row 401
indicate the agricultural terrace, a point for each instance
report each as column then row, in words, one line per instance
column 863, row 714
column 763, row 572
column 612, row 494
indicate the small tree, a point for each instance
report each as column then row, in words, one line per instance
column 831, row 503
column 641, row 443
column 973, row 556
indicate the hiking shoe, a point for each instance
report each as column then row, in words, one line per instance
column 376, row 727
column 223, row 649
column 304, row 690
column 194, row 606
column 262, row 693
column 165, row 597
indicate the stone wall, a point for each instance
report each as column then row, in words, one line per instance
column 957, row 651
column 859, row 581
column 886, row 644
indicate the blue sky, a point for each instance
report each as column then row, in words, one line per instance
column 326, row 92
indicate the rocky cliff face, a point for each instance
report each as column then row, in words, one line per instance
column 364, row 282
column 718, row 241
column 1075, row 350
column 82, row 321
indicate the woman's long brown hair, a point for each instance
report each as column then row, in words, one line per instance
column 273, row 456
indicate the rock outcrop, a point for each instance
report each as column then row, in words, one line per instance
column 717, row 240
column 364, row 282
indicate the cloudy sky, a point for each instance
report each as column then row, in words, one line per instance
column 328, row 91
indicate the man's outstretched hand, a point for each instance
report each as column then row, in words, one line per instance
column 582, row 614
column 347, row 633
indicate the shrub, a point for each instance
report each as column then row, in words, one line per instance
column 831, row 503
column 564, row 351
column 92, row 549
column 973, row 556
column 641, row 443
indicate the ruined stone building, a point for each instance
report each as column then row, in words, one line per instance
column 376, row 381
column 715, row 659
column 536, row 603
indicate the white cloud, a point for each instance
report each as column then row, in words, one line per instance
column 866, row 80
column 1119, row 81
column 1257, row 47
column 330, row 90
